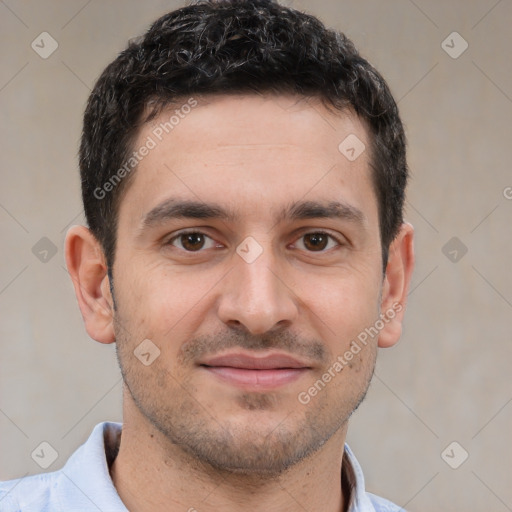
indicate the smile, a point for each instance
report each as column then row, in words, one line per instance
column 247, row 371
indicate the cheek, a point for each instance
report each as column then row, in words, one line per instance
column 161, row 303
column 342, row 310
column 345, row 303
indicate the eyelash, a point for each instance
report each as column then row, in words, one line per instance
column 195, row 231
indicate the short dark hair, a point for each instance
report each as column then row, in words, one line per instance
column 232, row 47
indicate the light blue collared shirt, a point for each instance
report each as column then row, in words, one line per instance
column 84, row 483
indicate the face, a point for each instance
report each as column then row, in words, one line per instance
column 248, row 254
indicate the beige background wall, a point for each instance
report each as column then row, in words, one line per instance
column 448, row 380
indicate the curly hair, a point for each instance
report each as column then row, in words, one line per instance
column 231, row 47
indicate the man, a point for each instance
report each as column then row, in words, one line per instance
column 243, row 173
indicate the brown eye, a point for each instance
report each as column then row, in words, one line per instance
column 317, row 241
column 192, row 241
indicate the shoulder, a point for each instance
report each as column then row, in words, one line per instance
column 73, row 488
column 30, row 494
column 383, row 505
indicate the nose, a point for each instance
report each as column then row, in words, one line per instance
column 256, row 296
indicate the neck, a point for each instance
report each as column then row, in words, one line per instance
column 152, row 474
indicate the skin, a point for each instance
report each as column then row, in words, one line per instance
column 191, row 439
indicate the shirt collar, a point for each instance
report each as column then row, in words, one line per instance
column 88, row 470
column 359, row 500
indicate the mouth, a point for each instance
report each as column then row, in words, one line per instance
column 259, row 373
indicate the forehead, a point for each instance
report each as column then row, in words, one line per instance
column 250, row 150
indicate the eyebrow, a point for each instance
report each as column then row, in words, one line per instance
column 174, row 208
column 317, row 210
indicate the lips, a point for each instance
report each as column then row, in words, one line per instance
column 262, row 372
column 248, row 362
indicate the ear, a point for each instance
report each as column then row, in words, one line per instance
column 86, row 265
column 396, row 285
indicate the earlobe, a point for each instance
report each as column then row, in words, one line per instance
column 396, row 285
column 88, row 271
